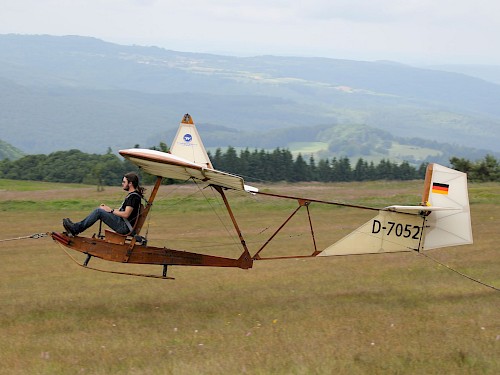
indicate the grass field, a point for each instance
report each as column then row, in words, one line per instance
column 372, row 314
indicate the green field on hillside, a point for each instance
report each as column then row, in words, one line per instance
column 372, row 314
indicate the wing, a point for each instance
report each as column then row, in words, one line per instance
column 163, row 164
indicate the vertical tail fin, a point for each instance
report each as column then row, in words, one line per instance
column 442, row 220
column 187, row 143
column 447, row 187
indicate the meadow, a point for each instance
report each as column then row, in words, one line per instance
column 371, row 314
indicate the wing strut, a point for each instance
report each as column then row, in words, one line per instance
column 245, row 260
column 302, row 203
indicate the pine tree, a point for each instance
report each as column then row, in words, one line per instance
column 324, row 171
column 300, row 170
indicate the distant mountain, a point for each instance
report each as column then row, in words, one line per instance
column 79, row 92
column 489, row 73
column 327, row 141
column 8, row 151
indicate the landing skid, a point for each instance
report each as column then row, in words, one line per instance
column 85, row 265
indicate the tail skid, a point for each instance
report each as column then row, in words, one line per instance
column 442, row 220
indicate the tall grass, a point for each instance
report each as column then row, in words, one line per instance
column 376, row 314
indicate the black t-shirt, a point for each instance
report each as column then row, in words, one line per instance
column 133, row 200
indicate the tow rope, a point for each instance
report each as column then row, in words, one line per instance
column 34, row 236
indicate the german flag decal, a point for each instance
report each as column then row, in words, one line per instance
column 440, row 188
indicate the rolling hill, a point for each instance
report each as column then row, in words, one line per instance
column 80, row 92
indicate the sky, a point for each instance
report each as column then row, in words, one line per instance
column 421, row 32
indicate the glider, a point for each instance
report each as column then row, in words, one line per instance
column 441, row 220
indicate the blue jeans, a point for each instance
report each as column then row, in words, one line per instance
column 114, row 222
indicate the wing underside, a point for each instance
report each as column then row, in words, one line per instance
column 167, row 165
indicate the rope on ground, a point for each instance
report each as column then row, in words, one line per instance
column 460, row 273
column 34, row 236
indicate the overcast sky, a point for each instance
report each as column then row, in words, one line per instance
column 408, row 31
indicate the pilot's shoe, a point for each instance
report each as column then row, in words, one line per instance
column 70, row 227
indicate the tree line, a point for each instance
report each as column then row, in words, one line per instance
column 75, row 166
column 280, row 165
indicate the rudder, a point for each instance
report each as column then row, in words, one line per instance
column 446, row 187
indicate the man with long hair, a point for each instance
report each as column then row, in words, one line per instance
column 121, row 220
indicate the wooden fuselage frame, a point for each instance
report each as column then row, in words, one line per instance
column 128, row 249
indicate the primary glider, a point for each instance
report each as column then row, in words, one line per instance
column 442, row 219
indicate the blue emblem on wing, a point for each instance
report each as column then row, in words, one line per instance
column 188, row 137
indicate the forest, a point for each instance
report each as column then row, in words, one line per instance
column 75, row 166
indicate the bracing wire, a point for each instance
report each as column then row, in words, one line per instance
column 223, row 223
column 201, row 190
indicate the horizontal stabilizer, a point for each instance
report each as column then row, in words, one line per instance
column 419, row 208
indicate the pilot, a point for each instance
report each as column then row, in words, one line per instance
column 121, row 220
